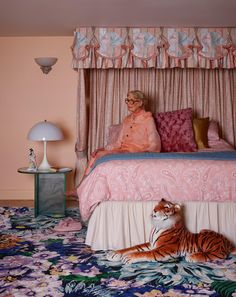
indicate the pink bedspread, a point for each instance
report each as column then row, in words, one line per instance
column 175, row 180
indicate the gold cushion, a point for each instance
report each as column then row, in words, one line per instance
column 200, row 127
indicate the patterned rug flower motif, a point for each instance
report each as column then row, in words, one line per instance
column 37, row 261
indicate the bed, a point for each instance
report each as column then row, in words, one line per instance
column 118, row 196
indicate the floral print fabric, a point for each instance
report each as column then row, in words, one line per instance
column 176, row 131
column 36, row 261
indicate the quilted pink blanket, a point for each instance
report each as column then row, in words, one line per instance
column 153, row 179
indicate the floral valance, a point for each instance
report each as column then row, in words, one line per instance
column 154, row 48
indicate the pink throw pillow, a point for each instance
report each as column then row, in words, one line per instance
column 176, row 130
column 113, row 133
column 213, row 131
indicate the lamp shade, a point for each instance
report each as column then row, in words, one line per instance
column 45, row 131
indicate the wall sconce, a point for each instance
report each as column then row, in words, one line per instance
column 46, row 63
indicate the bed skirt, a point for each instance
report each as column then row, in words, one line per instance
column 116, row 225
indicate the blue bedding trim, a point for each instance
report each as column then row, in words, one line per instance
column 226, row 156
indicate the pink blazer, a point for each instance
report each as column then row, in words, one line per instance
column 138, row 134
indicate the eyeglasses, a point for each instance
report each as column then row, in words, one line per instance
column 131, row 101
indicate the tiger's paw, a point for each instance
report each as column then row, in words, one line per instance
column 191, row 258
column 130, row 259
column 114, row 256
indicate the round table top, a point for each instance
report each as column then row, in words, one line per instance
column 50, row 171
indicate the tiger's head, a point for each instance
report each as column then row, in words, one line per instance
column 165, row 214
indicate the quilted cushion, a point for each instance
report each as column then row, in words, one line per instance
column 176, row 130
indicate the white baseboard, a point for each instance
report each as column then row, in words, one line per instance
column 16, row 194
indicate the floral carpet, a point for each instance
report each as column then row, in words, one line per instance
column 37, row 261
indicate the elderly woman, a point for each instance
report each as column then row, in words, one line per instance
column 138, row 132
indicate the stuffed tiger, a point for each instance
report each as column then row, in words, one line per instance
column 170, row 239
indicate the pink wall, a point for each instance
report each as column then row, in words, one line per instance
column 28, row 96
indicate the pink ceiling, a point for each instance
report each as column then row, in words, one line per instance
column 61, row 17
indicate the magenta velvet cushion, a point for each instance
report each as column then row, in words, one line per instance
column 176, row 130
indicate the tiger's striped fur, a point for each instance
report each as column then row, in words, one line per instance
column 170, row 239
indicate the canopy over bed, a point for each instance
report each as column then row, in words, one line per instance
column 175, row 67
column 161, row 48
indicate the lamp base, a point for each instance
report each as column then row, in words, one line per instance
column 45, row 166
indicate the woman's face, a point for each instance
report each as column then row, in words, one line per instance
column 133, row 104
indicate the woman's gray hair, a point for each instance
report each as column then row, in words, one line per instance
column 137, row 95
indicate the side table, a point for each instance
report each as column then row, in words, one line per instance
column 49, row 191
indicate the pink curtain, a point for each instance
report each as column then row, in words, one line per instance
column 101, row 103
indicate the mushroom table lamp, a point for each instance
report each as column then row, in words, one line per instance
column 45, row 131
